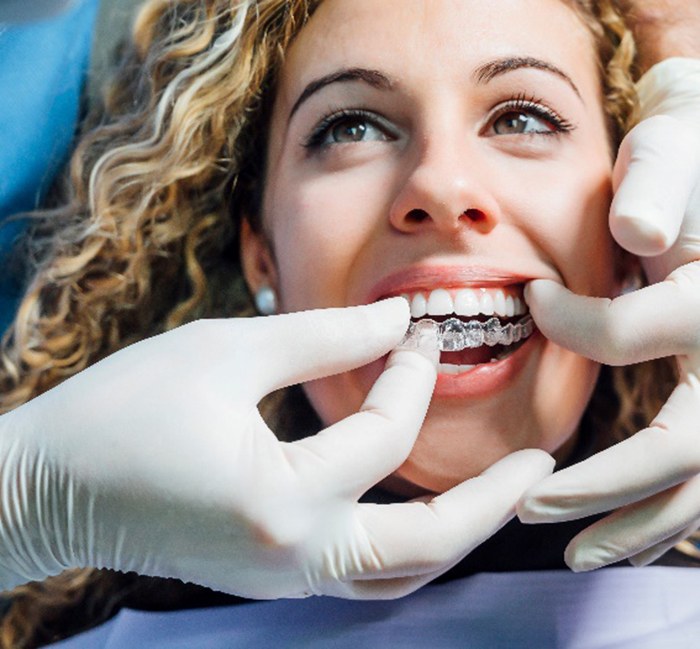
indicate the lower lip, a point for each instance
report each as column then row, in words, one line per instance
column 482, row 381
column 487, row 378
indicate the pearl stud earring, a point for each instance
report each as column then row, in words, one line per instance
column 266, row 301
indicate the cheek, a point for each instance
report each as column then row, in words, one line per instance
column 560, row 395
column 587, row 261
column 570, row 224
column 321, row 229
column 335, row 397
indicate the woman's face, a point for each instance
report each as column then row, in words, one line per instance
column 453, row 148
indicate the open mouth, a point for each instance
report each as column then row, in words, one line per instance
column 474, row 326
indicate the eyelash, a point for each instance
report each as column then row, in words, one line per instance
column 538, row 108
column 521, row 102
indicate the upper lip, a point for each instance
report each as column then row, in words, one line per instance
column 427, row 278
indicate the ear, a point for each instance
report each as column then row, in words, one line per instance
column 256, row 259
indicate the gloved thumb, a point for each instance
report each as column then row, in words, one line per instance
column 645, row 218
column 298, row 347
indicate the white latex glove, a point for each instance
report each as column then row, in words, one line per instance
column 653, row 478
column 157, row 460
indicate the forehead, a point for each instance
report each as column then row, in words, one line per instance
column 437, row 37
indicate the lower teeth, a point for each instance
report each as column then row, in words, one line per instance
column 454, row 335
column 447, row 368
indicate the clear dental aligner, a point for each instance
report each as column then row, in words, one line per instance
column 454, row 335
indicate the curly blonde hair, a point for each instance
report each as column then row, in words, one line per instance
column 145, row 238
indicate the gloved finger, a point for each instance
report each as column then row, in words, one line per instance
column 652, row 553
column 383, row 587
column 358, row 451
column 645, row 217
column 390, row 587
column 413, row 539
column 661, row 456
column 633, row 529
column 297, row 347
column 656, row 321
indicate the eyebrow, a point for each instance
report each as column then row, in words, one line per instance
column 376, row 79
column 492, row 69
column 372, row 77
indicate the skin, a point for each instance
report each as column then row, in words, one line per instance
column 340, row 217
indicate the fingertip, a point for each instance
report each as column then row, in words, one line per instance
column 539, row 291
column 393, row 313
column 529, row 511
column 399, row 306
column 425, row 361
column 527, row 467
column 429, row 354
column 305, row 345
column 537, row 460
column 645, row 217
column 541, row 461
column 580, row 556
column 538, row 285
column 641, row 235
column 654, row 552
column 423, row 340
column 579, row 560
column 553, row 499
column 416, row 365
column 640, row 560
column 574, row 567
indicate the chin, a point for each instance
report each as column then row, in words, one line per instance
column 533, row 398
column 461, row 438
column 444, row 457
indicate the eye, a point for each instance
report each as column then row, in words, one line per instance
column 523, row 116
column 520, row 122
column 354, row 129
column 348, row 127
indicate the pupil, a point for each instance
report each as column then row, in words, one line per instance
column 513, row 123
column 349, row 132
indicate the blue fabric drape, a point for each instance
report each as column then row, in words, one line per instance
column 42, row 71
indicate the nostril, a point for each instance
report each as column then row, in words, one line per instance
column 474, row 215
column 417, row 216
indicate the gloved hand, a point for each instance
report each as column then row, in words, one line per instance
column 157, row 460
column 653, row 478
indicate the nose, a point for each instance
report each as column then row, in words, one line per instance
column 446, row 190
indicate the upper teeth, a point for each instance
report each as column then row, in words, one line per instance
column 466, row 302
